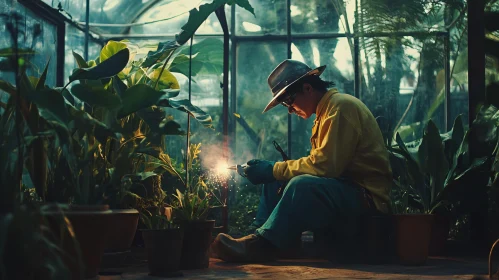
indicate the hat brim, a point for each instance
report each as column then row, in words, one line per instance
column 275, row 101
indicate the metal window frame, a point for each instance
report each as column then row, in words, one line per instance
column 44, row 12
column 52, row 16
column 289, row 37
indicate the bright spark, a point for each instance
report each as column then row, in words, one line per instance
column 222, row 169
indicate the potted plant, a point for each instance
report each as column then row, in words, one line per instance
column 426, row 183
column 163, row 241
column 190, row 209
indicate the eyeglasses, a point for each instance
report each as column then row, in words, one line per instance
column 290, row 99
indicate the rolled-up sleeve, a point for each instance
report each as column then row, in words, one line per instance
column 335, row 148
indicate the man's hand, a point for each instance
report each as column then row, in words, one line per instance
column 260, row 171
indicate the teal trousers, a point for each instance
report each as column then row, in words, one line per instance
column 308, row 203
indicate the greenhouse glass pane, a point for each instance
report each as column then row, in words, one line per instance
column 103, row 12
column 270, row 18
column 319, row 16
column 41, row 37
column 254, row 131
column 206, row 93
column 177, row 13
column 459, row 93
column 336, row 55
column 404, row 74
column 75, row 42
column 390, row 16
column 75, row 9
column 255, row 61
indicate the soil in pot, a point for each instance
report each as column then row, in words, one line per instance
column 439, row 235
column 123, row 227
column 91, row 226
column 196, row 244
column 164, row 249
column 412, row 234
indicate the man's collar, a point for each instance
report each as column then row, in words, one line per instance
column 323, row 102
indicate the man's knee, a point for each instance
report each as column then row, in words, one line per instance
column 301, row 183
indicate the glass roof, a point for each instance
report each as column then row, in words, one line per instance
column 124, row 16
column 165, row 17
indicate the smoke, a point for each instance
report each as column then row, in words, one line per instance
column 212, row 156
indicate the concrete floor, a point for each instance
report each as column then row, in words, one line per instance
column 436, row 268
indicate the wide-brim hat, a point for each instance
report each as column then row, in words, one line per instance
column 285, row 75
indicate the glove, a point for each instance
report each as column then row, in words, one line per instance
column 260, row 171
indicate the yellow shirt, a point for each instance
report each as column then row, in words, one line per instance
column 346, row 141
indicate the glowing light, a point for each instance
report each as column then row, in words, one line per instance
column 222, row 169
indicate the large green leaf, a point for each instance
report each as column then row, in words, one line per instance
column 436, row 164
column 185, row 105
column 119, row 86
column 458, row 159
column 415, row 174
column 171, row 127
column 159, row 122
column 85, row 122
column 457, row 134
column 167, row 80
column 96, row 96
column 196, row 18
column 106, row 69
column 50, row 103
column 207, row 58
column 110, row 49
column 243, row 4
column 485, row 130
column 80, row 61
column 41, row 81
column 7, row 87
column 165, row 49
column 460, row 187
column 141, row 96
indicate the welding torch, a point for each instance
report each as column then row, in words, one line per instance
column 240, row 168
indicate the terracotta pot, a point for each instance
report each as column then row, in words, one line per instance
column 91, row 226
column 196, row 244
column 439, row 234
column 164, row 249
column 412, row 234
column 122, row 231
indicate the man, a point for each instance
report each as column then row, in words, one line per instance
column 346, row 175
